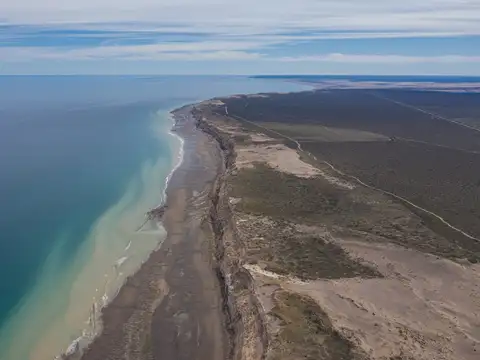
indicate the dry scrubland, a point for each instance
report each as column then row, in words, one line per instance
column 431, row 162
column 340, row 271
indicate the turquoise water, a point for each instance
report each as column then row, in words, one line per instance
column 82, row 159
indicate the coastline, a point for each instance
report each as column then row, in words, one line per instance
column 76, row 349
column 173, row 273
column 113, row 235
column 194, row 297
column 179, row 157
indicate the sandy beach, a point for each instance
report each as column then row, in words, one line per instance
column 175, row 297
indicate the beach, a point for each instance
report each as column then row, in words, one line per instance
column 175, row 297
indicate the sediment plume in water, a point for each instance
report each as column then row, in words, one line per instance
column 62, row 312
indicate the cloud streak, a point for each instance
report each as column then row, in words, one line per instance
column 252, row 16
column 201, row 51
column 215, row 50
column 231, row 30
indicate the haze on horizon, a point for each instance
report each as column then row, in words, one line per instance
column 240, row 37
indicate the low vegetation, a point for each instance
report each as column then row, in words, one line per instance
column 443, row 181
column 428, row 161
column 306, row 332
column 269, row 192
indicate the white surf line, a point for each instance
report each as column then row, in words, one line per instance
column 176, row 166
column 299, row 148
column 128, row 246
column 120, row 261
column 180, row 156
column 436, row 116
column 178, row 162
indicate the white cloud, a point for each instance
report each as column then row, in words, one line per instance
column 253, row 16
column 233, row 29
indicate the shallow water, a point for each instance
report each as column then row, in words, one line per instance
column 82, row 159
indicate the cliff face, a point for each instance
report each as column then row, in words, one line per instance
column 177, row 306
column 245, row 325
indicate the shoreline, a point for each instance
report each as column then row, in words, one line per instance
column 179, row 157
column 141, row 305
column 137, row 256
column 76, row 349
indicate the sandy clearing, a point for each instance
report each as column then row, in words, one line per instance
column 283, row 159
column 215, row 102
column 279, row 156
column 254, row 137
column 256, row 270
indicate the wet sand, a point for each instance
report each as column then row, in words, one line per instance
column 172, row 308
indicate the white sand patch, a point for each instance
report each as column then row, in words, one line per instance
column 216, row 102
column 235, row 130
column 285, row 159
column 234, row 201
column 336, row 181
column 256, row 270
column 232, row 130
column 277, row 156
column 261, row 138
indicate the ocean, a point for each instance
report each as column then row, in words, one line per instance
column 82, row 159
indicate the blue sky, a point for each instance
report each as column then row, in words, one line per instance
column 240, row 37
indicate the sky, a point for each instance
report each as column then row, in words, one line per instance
column 380, row 37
